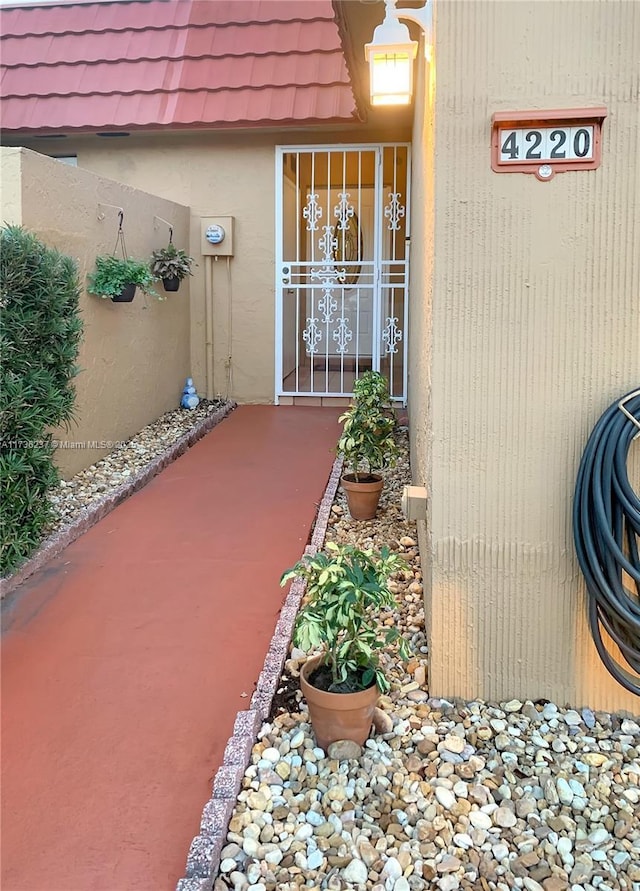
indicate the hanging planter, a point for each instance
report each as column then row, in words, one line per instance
column 171, row 265
column 171, row 283
column 117, row 278
column 126, row 295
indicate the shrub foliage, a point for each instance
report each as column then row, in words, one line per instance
column 40, row 331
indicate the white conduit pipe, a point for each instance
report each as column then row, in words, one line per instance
column 208, row 310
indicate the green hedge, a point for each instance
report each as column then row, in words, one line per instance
column 40, row 332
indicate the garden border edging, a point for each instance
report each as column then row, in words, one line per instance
column 54, row 545
column 203, row 858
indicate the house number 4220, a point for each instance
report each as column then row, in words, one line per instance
column 546, row 144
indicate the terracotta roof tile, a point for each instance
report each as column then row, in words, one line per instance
column 169, row 43
column 200, row 63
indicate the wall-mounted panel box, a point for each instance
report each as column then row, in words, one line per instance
column 217, row 236
column 414, row 502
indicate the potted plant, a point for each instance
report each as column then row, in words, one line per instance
column 346, row 592
column 171, row 265
column 118, row 279
column 367, row 444
column 372, row 389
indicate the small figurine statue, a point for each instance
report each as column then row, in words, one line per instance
column 190, row 398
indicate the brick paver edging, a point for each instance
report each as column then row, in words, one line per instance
column 203, row 858
column 99, row 509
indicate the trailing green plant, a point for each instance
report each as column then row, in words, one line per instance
column 40, row 332
column 112, row 274
column 170, row 262
column 347, row 590
column 367, row 441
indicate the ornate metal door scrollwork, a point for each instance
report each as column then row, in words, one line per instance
column 349, row 247
column 343, row 288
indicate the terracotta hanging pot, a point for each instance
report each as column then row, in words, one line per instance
column 337, row 716
column 362, row 497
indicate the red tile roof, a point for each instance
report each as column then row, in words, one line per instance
column 172, row 63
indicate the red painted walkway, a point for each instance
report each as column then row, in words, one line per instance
column 124, row 661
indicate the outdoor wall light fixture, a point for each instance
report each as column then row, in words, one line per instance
column 391, row 53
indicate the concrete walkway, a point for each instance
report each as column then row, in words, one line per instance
column 125, row 661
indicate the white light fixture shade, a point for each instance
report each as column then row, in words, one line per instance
column 391, row 53
column 390, row 56
column 391, row 77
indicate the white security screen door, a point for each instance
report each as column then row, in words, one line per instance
column 342, row 268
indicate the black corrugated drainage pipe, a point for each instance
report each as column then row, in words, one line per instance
column 606, row 531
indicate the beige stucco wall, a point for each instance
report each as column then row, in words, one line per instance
column 221, row 177
column 421, row 295
column 10, row 185
column 535, row 330
column 134, row 357
column 421, row 269
column 220, row 174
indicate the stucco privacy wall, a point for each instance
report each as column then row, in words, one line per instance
column 134, row 357
column 536, row 329
column 219, row 174
column 10, row 185
column 216, row 176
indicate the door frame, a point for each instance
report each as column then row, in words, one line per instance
column 378, row 147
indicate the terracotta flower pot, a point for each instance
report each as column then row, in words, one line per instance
column 362, row 497
column 337, row 716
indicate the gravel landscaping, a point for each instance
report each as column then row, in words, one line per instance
column 71, row 497
column 443, row 795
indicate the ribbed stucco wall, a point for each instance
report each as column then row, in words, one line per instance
column 535, row 330
column 421, row 269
